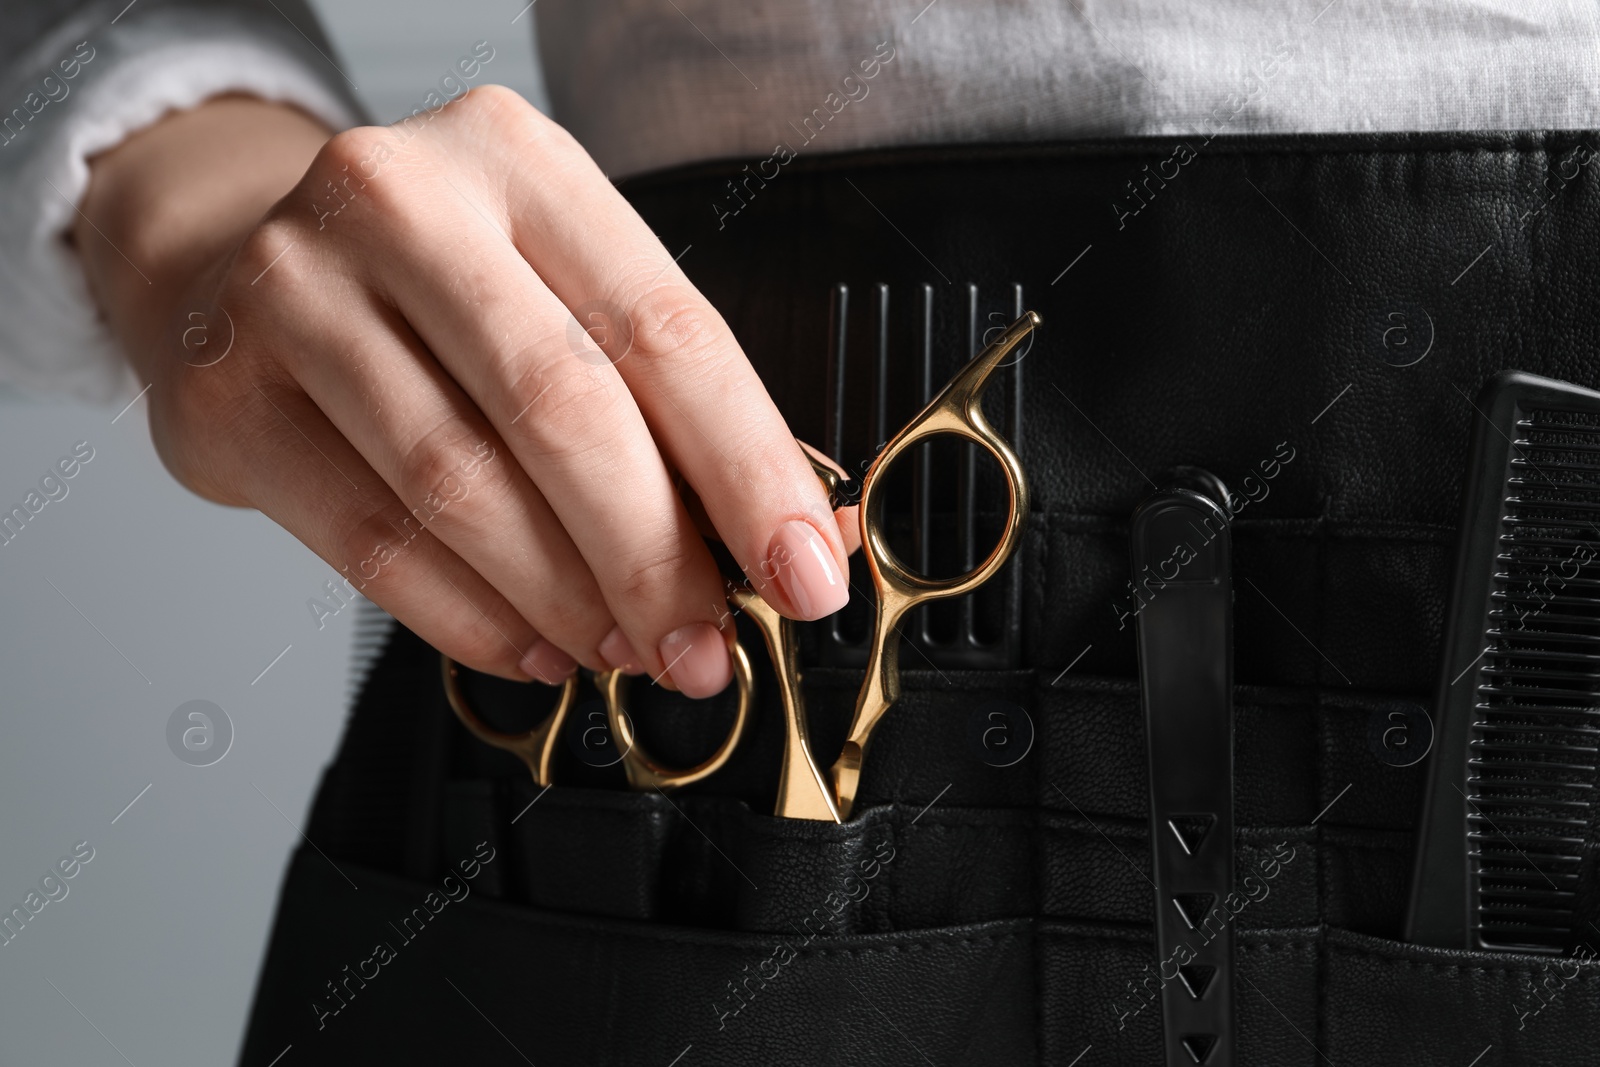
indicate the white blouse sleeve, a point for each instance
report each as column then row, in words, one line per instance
column 82, row 89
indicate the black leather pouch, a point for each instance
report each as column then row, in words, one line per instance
column 1304, row 316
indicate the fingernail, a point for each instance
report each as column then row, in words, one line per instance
column 697, row 660
column 618, row 653
column 547, row 663
column 800, row 561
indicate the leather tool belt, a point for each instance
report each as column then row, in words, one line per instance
column 1306, row 317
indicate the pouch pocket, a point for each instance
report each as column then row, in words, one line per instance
column 1099, row 871
column 589, row 851
column 889, row 868
column 1388, row 1002
column 929, row 746
column 485, row 982
column 596, row 851
column 1297, row 751
column 1101, row 987
column 711, row 861
column 799, row 877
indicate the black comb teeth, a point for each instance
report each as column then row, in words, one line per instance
column 1534, row 740
column 1512, row 793
column 885, row 360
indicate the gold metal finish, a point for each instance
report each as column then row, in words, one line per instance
column 536, row 747
column 829, row 478
column 804, row 792
column 957, row 410
column 642, row 770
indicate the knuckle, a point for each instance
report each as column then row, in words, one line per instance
column 266, row 257
column 654, row 579
column 492, row 100
column 373, row 550
column 508, row 113
column 558, row 408
column 360, row 169
column 479, row 646
column 443, row 478
column 202, row 426
column 181, row 431
column 578, row 624
column 675, row 321
column 350, row 149
column 186, row 410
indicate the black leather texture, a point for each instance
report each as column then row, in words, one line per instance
column 1306, row 317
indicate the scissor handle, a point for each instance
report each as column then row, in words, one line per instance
column 804, row 792
column 957, row 410
column 843, row 492
column 535, row 747
column 643, row 771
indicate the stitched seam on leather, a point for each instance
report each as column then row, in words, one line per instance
column 1325, row 742
column 1097, row 939
column 1035, row 608
column 920, row 945
column 1324, row 864
column 1375, row 957
column 1108, row 898
column 1042, row 987
column 1121, row 688
column 1040, row 871
column 892, row 827
column 933, row 938
column 1324, row 753
column 1088, row 524
column 1297, row 945
column 1138, row 938
column 1352, row 845
column 990, row 819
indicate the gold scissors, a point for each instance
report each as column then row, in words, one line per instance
column 537, row 747
column 804, row 792
column 957, row 410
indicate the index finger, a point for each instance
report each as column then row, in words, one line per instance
column 704, row 403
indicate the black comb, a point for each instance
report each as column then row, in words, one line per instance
column 1504, row 852
column 885, row 361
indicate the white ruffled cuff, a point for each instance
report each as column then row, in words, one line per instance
column 52, row 339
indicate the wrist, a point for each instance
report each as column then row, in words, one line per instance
column 176, row 197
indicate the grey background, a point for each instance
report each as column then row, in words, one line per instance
column 160, row 936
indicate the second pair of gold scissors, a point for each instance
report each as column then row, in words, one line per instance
column 537, row 747
column 804, row 790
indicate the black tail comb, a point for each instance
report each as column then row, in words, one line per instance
column 1505, row 848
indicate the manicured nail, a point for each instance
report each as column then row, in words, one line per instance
column 547, row 663
column 696, row 658
column 618, row 653
column 800, row 561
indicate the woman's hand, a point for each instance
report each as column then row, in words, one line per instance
column 386, row 361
